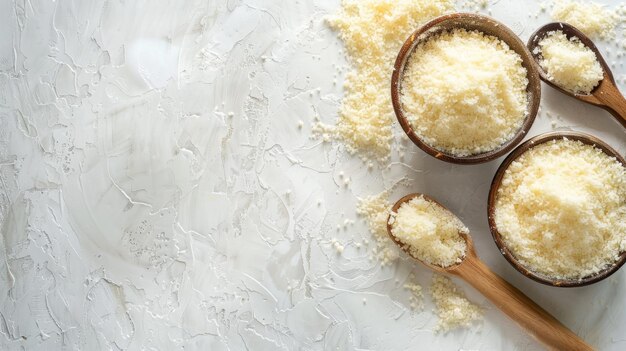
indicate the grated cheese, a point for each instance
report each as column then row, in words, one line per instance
column 475, row 5
column 452, row 307
column 591, row 18
column 375, row 210
column 416, row 299
column 569, row 63
column 373, row 31
column 465, row 92
column 561, row 209
column 429, row 232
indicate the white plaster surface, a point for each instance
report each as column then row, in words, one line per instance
column 157, row 193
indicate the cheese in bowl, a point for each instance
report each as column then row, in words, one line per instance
column 464, row 92
column 560, row 209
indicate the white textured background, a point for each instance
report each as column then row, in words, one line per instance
column 136, row 214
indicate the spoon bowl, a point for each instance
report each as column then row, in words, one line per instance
column 605, row 95
column 468, row 239
column 519, row 307
column 470, row 22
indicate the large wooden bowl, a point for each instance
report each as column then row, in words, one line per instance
column 493, row 192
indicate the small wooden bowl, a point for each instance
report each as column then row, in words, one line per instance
column 495, row 185
column 488, row 26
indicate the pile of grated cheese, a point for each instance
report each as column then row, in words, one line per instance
column 375, row 210
column 430, row 232
column 569, row 63
column 561, row 209
column 591, row 18
column 464, row 92
column 452, row 307
column 373, row 32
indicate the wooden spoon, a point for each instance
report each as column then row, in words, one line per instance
column 519, row 307
column 606, row 95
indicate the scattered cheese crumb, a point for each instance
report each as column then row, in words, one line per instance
column 590, row 17
column 561, row 209
column 553, row 124
column 339, row 248
column 569, row 63
column 416, row 299
column 375, row 209
column 453, row 308
column 476, row 5
column 464, row 92
column 373, row 31
column 430, row 232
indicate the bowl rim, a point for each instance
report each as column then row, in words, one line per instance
column 493, row 191
column 502, row 32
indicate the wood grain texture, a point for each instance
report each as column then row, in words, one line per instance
column 612, row 100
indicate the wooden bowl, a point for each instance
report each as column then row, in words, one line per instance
column 488, row 26
column 495, row 185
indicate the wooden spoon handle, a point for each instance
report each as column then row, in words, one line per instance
column 519, row 307
column 614, row 102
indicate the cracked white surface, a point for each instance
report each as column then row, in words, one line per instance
column 158, row 192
